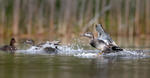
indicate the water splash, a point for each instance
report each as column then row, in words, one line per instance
column 78, row 51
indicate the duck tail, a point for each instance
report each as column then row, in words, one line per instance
column 116, row 48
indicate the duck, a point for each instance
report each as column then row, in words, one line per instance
column 11, row 47
column 32, row 43
column 96, row 43
column 101, row 44
column 51, row 50
column 46, row 49
column 102, row 35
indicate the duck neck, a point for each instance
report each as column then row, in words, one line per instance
column 11, row 44
column 92, row 37
column 33, row 44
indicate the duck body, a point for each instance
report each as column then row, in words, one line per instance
column 48, row 47
column 96, row 43
column 9, row 48
column 51, row 50
column 99, row 44
column 30, row 42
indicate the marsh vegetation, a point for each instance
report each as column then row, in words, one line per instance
column 65, row 19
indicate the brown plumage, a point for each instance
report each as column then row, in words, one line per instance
column 9, row 48
column 100, row 44
column 46, row 49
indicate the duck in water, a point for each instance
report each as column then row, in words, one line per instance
column 48, row 49
column 11, row 47
column 102, row 35
column 103, row 42
column 96, row 43
column 32, row 43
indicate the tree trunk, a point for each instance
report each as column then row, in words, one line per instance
column 67, row 20
column 29, row 18
column 147, row 15
column 52, row 11
column 111, row 16
column 81, row 14
column 119, row 17
column 2, row 22
column 97, row 7
column 103, row 17
column 61, row 16
column 16, row 17
column 127, row 5
column 137, row 17
column 40, row 19
column 89, row 9
column 66, row 8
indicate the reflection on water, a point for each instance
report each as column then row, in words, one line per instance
column 47, row 66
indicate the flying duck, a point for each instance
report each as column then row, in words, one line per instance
column 102, row 35
column 104, row 42
column 96, row 43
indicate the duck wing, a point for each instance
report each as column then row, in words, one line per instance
column 102, row 35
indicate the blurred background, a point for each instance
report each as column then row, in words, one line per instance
column 66, row 19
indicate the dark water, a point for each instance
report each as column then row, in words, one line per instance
column 54, row 66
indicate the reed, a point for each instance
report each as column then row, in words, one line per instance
column 68, row 18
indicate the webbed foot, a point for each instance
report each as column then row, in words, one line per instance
column 100, row 53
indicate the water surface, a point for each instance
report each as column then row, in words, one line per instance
column 54, row 66
column 75, row 63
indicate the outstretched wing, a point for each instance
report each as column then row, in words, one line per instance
column 102, row 35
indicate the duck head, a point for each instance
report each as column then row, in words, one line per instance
column 30, row 42
column 88, row 35
column 12, row 42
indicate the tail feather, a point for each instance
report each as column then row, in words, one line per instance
column 116, row 48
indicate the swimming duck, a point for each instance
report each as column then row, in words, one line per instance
column 32, row 42
column 46, row 49
column 51, row 50
column 11, row 47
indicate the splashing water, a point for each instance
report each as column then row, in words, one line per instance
column 69, row 50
